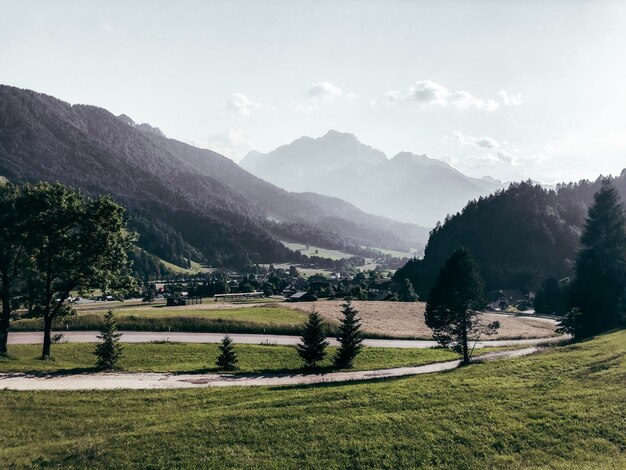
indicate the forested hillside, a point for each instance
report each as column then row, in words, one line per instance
column 183, row 202
column 518, row 236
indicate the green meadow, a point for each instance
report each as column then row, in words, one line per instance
column 563, row 408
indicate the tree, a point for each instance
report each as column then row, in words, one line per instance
column 150, row 293
column 76, row 243
column 350, row 337
column 227, row 360
column 358, row 293
column 110, row 350
column 293, row 272
column 454, row 303
column 312, row 348
column 407, row 293
column 13, row 255
column 550, row 298
column 598, row 289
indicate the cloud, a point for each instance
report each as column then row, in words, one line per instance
column 326, row 91
column 242, row 104
column 231, row 143
column 510, row 99
column 393, row 95
column 498, row 158
column 428, row 92
column 493, row 156
column 506, row 157
column 481, row 142
column 464, row 100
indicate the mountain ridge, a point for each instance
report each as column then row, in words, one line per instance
column 338, row 164
column 184, row 201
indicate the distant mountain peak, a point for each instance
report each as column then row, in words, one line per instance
column 422, row 160
column 143, row 127
column 333, row 134
column 126, row 120
column 147, row 128
column 489, row 179
column 409, row 187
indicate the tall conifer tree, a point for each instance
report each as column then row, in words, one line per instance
column 598, row 290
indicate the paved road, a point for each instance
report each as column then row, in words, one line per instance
column 111, row 381
column 175, row 337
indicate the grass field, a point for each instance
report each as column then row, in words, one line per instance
column 180, row 357
column 261, row 315
column 316, row 251
column 252, row 319
column 195, row 267
column 394, row 253
column 561, row 409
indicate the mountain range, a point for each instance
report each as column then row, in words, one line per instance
column 408, row 187
column 184, row 202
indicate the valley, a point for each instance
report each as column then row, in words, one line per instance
column 313, row 235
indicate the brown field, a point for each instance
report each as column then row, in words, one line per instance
column 407, row 319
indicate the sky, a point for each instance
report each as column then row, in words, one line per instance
column 513, row 90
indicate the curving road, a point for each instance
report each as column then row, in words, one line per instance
column 113, row 381
column 179, row 337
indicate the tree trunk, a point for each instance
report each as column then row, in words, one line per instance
column 466, row 357
column 6, row 315
column 47, row 338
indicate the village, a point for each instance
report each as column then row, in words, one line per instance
column 291, row 285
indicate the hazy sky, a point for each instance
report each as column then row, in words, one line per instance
column 508, row 89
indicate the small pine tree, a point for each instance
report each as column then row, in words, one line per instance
column 407, row 293
column 312, row 349
column 227, row 359
column 110, row 350
column 350, row 337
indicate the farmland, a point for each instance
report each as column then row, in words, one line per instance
column 380, row 319
column 560, row 409
column 406, row 319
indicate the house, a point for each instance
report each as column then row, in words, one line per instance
column 503, row 299
column 289, row 290
column 177, row 299
column 302, row 296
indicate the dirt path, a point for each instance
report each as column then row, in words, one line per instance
column 112, row 381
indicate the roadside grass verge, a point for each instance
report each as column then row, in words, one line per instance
column 197, row 358
column 563, row 408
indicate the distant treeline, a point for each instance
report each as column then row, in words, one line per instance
column 519, row 236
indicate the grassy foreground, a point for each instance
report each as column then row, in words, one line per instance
column 561, row 409
column 181, row 357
